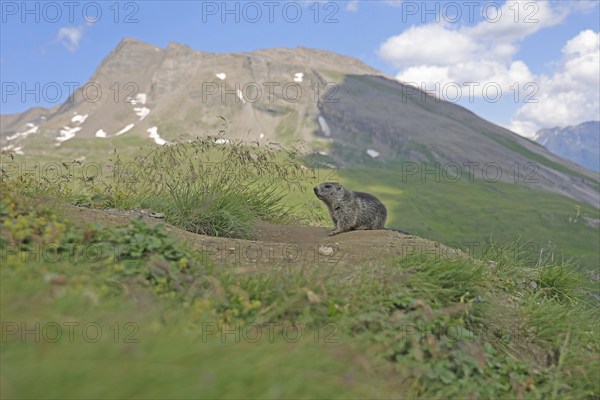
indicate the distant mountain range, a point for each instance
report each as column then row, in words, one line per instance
column 349, row 112
column 579, row 143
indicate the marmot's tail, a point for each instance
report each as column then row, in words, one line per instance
column 398, row 230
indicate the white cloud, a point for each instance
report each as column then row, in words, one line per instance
column 434, row 55
column 517, row 19
column 432, row 72
column 488, row 40
column 352, row 6
column 70, row 37
column 454, row 56
column 580, row 5
column 444, row 46
column 584, row 43
column 570, row 95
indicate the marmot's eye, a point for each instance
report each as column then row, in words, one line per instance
column 327, row 186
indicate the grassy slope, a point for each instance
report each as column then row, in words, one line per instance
column 468, row 215
column 463, row 212
column 449, row 328
column 514, row 146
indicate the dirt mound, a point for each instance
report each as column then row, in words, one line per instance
column 278, row 245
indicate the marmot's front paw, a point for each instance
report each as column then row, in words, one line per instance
column 333, row 232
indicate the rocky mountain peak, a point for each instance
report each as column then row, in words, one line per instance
column 335, row 104
column 579, row 143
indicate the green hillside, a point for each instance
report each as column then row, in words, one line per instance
column 470, row 214
column 129, row 310
column 466, row 213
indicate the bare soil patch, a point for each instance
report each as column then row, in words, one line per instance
column 276, row 245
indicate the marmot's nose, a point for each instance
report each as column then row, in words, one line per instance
column 316, row 189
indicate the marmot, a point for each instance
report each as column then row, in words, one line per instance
column 351, row 210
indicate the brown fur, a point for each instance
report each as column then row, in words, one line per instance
column 351, row 210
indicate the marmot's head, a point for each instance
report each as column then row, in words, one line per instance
column 328, row 191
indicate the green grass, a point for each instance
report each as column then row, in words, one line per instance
column 200, row 185
column 95, row 150
column 287, row 127
column 410, row 327
column 517, row 148
column 223, row 190
column 469, row 215
column 417, row 147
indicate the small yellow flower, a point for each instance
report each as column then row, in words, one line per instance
column 182, row 263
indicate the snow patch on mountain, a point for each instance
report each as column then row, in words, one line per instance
column 373, row 153
column 32, row 129
column 324, row 126
column 17, row 150
column 241, row 97
column 126, row 129
column 67, row 133
column 141, row 112
column 79, row 119
column 153, row 133
column 139, row 98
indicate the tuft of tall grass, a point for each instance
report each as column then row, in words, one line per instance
column 206, row 185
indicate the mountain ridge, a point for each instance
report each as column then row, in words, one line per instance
column 579, row 143
column 339, row 106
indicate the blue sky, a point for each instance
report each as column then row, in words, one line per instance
column 545, row 49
